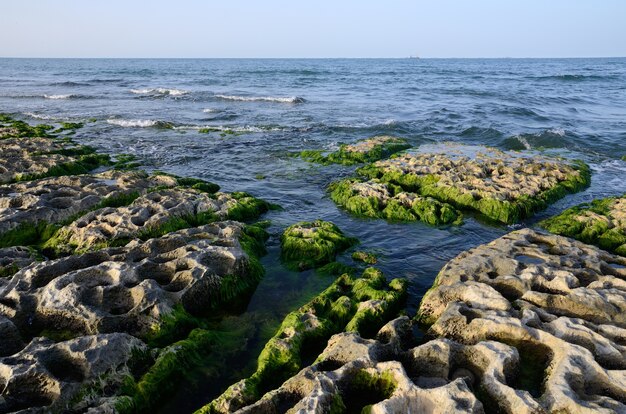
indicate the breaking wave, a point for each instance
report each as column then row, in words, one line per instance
column 291, row 99
column 159, row 91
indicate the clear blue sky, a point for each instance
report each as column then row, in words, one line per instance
column 316, row 28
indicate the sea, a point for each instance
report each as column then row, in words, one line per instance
column 238, row 122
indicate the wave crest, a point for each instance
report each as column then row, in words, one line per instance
column 67, row 96
column 139, row 123
column 291, row 99
column 159, row 91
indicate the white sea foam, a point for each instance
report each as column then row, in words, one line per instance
column 242, row 129
column 59, row 96
column 210, row 110
column 133, row 123
column 290, row 99
column 557, row 131
column 42, row 116
column 159, row 91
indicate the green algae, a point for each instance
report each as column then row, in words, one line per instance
column 195, row 183
column 345, row 156
column 306, row 245
column 426, row 209
column 24, row 130
column 591, row 223
column 304, row 332
column 365, row 257
column 505, row 211
column 365, row 389
column 82, row 165
column 247, row 207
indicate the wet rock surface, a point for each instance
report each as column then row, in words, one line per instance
column 601, row 222
column 79, row 331
column 55, row 199
column 559, row 306
column 506, row 187
column 530, row 323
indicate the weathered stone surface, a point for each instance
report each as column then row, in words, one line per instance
column 56, row 199
column 26, row 156
column 601, row 222
column 503, row 186
column 150, row 211
column 381, row 375
column 349, row 304
column 129, row 289
column 13, row 259
column 558, row 303
column 42, row 376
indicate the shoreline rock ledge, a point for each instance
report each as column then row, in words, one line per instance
column 529, row 323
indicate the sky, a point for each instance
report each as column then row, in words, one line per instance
column 314, row 29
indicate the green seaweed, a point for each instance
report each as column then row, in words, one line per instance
column 247, row 207
column 306, row 331
column 505, row 211
column 83, row 165
column 195, row 183
column 365, row 257
column 595, row 229
column 426, row 209
column 346, row 157
column 306, row 245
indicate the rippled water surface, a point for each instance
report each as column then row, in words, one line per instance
column 260, row 110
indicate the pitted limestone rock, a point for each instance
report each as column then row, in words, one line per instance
column 44, row 375
column 149, row 211
column 56, row 199
column 129, row 289
column 559, row 304
column 503, row 186
column 25, row 156
column 13, row 259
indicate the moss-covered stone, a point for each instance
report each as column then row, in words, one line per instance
column 365, row 257
column 367, row 150
column 360, row 304
column 601, row 222
column 505, row 187
column 388, row 201
column 307, row 245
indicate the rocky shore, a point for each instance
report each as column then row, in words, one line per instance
column 110, row 278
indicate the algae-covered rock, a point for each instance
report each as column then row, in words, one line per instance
column 57, row 199
column 150, row 215
column 130, row 289
column 380, row 200
column 350, row 304
column 306, row 245
column 41, row 377
column 553, row 306
column 367, row 150
column 506, row 187
column 601, row 222
column 365, row 257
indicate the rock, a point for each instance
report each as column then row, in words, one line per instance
column 147, row 214
column 13, row 259
column 45, row 375
column 376, row 199
column 506, row 187
column 379, row 376
column 556, row 305
column 601, row 222
column 56, row 199
column 129, row 289
column 366, row 150
column 351, row 304
column 11, row 340
column 306, row 245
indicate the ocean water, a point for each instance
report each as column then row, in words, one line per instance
column 261, row 110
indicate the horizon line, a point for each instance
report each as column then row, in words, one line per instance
column 319, row 58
